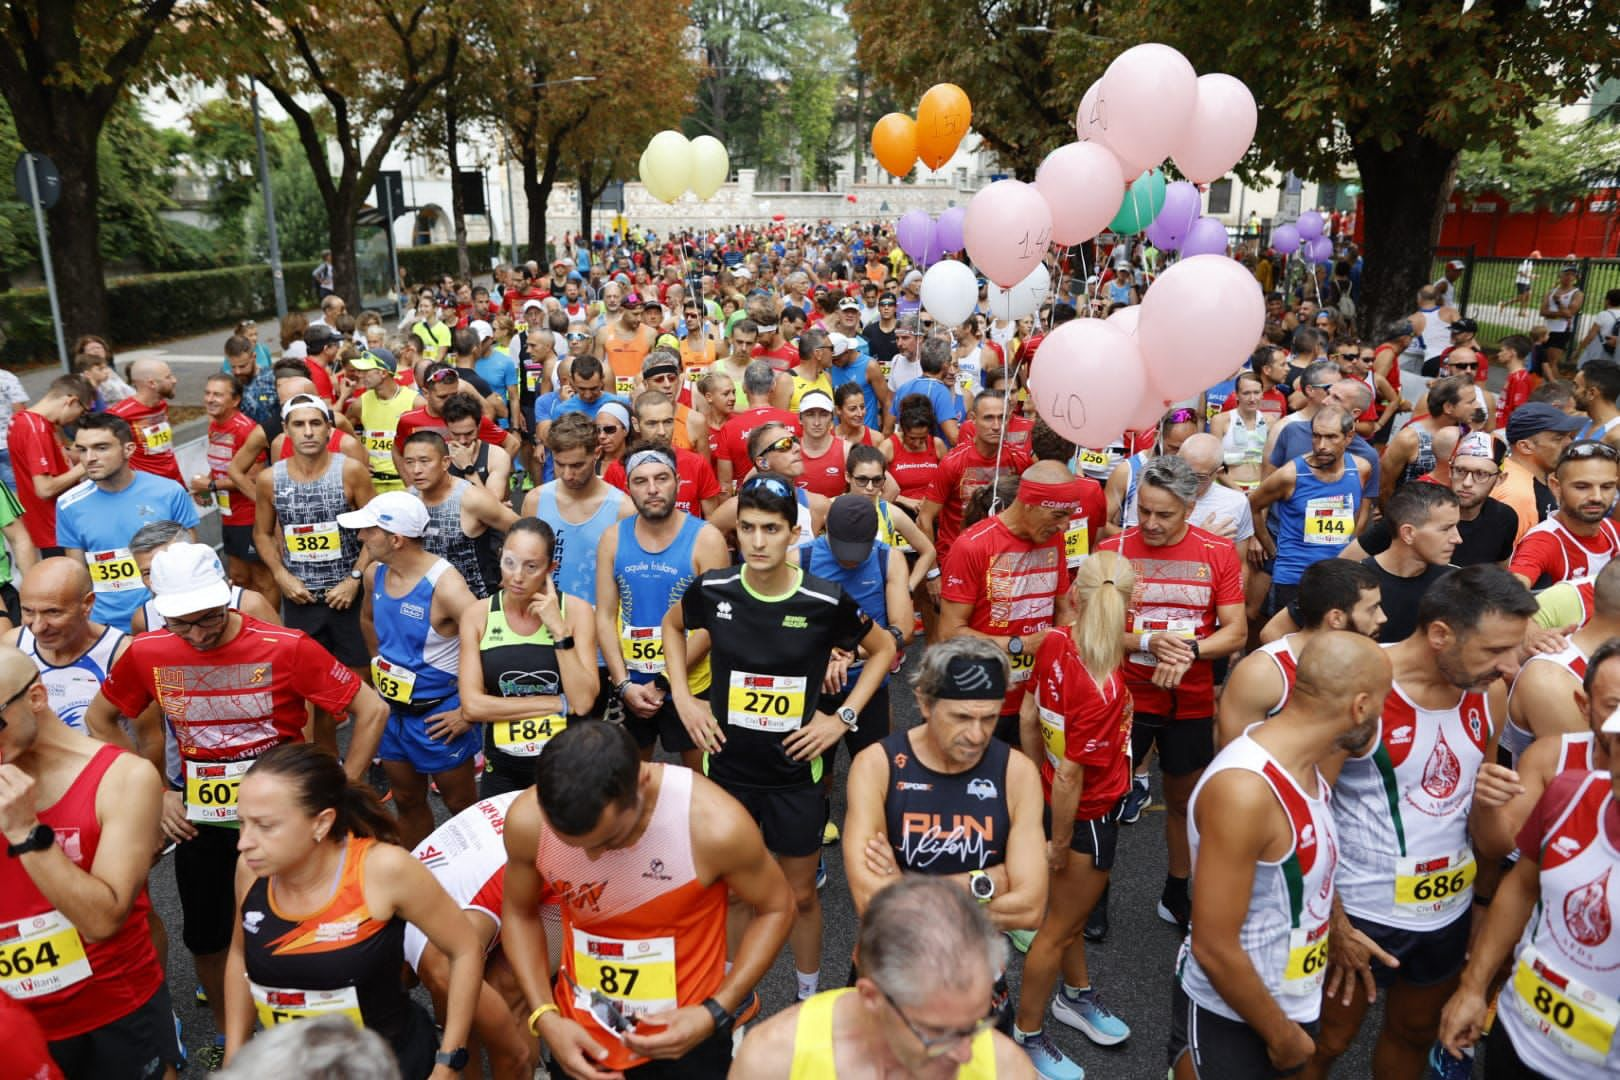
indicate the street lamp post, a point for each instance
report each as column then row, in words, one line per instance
column 277, row 279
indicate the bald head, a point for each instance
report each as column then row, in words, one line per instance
column 1337, row 666
column 1202, row 452
column 144, row 370
column 1445, row 442
column 16, row 670
column 59, row 578
column 1606, row 591
column 1048, row 472
column 287, row 389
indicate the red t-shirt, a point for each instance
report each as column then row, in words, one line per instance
column 1017, row 428
column 1012, row 586
column 1082, row 721
column 695, row 481
column 783, row 358
column 962, row 472
column 733, row 442
column 418, row 419
column 1085, row 524
column 238, row 700
column 1515, row 392
column 1550, row 553
column 224, row 440
column 1178, row 588
column 25, row 1043
column 36, row 450
column 320, row 377
column 154, row 438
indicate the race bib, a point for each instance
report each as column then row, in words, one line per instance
column 771, row 703
column 1095, row 461
column 1053, row 734
column 380, row 444
column 1330, row 519
column 40, row 955
column 222, row 500
column 395, row 682
column 281, row 1006
column 1577, row 1019
column 1023, row 666
column 211, row 789
column 1434, row 885
column 643, row 648
column 158, row 438
column 623, row 384
column 526, row 738
column 113, row 571
column 1077, row 541
column 638, row 973
column 318, row 542
column 1307, row 961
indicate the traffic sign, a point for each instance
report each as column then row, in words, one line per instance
column 49, row 181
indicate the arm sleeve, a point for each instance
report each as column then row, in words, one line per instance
column 128, row 692
column 321, row 680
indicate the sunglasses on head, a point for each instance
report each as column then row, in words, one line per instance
column 769, row 483
column 1588, row 448
column 443, row 375
column 1181, row 416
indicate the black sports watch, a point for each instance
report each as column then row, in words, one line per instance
column 40, row 837
column 456, row 1060
column 1015, row 646
column 564, row 643
column 719, row 1014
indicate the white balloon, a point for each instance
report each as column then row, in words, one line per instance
column 1039, row 284
column 710, row 166
column 666, row 166
column 950, row 290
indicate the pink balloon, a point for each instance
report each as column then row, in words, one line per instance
column 1151, row 410
column 1086, row 380
column 1126, row 319
column 1147, row 98
column 1199, row 320
column 1221, row 129
column 1007, row 231
column 1091, row 125
column 1082, row 185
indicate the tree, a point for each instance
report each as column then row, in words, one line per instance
column 373, row 64
column 1553, row 163
column 63, row 66
column 1396, row 90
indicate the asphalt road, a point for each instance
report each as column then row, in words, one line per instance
column 1132, row 969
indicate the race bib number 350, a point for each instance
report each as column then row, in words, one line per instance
column 113, row 571
column 770, row 703
column 40, row 955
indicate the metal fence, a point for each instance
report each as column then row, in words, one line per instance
column 1505, row 295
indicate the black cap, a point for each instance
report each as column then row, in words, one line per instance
column 1537, row 416
column 320, row 336
column 852, row 524
column 1465, row 326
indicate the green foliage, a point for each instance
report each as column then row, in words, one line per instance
column 1553, row 163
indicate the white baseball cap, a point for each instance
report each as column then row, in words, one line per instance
column 815, row 399
column 482, row 329
column 1611, row 726
column 187, row 578
column 399, row 512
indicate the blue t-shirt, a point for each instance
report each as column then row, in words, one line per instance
column 100, row 523
column 500, row 371
column 947, row 406
column 1295, row 439
column 573, row 404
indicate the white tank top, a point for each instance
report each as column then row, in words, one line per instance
column 1402, row 811
column 467, row 856
column 1560, row 298
column 1243, row 445
column 1285, row 931
column 1514, row 739
column 73, row 686
column 1282, row 654
column 1561, row 1005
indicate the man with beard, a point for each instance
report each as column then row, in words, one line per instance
column 1406, row 872
column 1334, row 595
column 1577, row 540
column 1265, row 850
column 643, row 566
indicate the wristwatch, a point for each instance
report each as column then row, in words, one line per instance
column 849, row 718
column 982, row 886
column 357, row 574
column 1015, row 646
column 456, row 1060
column 40, row 837
column 564, row 643
column 1144, row 641
column 720, row 1014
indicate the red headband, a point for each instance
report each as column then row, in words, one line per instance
column 1064, row 496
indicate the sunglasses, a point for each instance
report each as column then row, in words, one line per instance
column 1588, row 448
column 1347, row 356
column 578, row 337
column 770, row 484
column 211, row 621
column 608, row 429
column 443, row 375
column 785, row 443
column 13, row 699
column 867, row 481
column 1465, row 367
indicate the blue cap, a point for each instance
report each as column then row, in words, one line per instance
column 1537, row 416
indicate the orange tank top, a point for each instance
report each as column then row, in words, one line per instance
column 625, row 356
column 638, row 926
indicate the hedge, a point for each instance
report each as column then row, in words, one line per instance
column 156, row 307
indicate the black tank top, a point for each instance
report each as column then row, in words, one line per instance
column 518, row 665
column 479, row 467
column 330, row 961
column 946, row 823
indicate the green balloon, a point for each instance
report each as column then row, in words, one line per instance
column 1142, row 202
column 1352, row 190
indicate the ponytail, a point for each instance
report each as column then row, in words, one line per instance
column 319, row 783
column 1102, row 589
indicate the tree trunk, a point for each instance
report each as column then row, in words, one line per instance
column 859, row 148
column 587, row 196
column 1404, row 193
column 75, row 237
column 538, row 180
column 340, row 233
column 458, row 197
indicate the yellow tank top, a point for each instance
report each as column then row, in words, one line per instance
column 802, row 387
column 813, row 1044
column 887, row 533
column 379, row 420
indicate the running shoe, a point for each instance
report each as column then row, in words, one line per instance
column 211, row 1058
column 829, row 834
column 1021, row 939
column 1442, row 1066
column 200, row 995
column 821, row 873
column 1086, row 1012
column 179, row 1043
column 1097, row 922
column 1174, row 906
column 1049, row 1061
column 1135, row 800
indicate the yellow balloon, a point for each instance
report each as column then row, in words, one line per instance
column 710, row 166
column 666, row 166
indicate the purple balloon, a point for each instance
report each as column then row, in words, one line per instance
column 1321, row 250
column 915, row 231
column 948, row 229
column 1181, row 205
column 1310, row 225
column 1285, row 239
column 1206, row 237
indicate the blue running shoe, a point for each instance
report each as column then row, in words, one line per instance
column 1442, row 1066
column 1131, row 806
column 1049, row 1061
column 821, row 873
column 179, row 1044
column 1087, row 1012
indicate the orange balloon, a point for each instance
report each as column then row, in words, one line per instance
column 894, row 141
column 943, row 117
